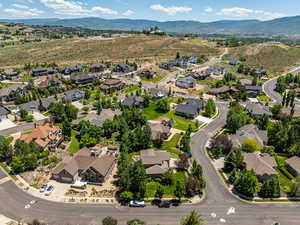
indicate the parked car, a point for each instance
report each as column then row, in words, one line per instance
column 43, row 188
column 137, row 203
column 49, row 190
column 164, row 205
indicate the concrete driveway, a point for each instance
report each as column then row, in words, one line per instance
column 78, row 105
column 203, row 119
column 38, row 116
column 6, row 123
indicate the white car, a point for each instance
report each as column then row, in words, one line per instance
column 43, row 188
column 49, row 190
column 137, row 203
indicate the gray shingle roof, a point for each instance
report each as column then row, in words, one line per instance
column 4, row 110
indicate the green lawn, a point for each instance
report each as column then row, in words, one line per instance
column 170, row 146
column 281, row 160
column 169, row 190
column 285, row 182
column 180, row 123
column 263, row 98
column 74, row 146
column 156, row 79
column 132, row 89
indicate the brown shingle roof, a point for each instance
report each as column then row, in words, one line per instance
column 103, row 164
column 294, row 162
column 261, row 164
column 151, row 157
column 83, row 160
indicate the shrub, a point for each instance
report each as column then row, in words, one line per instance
column 109, row 221
column 250, row 145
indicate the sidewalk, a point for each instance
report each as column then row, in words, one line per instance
column 5, row 221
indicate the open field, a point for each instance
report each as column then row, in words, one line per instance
column 274, row 58
column 74, row 51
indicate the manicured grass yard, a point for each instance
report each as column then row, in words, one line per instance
column 284, row 177
column 170, row 146
column 180, row 123
column 169, row 190
column 74, row 146
column 285, row 182
column 263, row 98
column 132, row 89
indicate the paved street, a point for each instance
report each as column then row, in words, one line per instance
column 270, row 85
column 216, row 207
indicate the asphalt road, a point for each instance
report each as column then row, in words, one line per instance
column 214, row 207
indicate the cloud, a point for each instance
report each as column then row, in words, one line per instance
column 104, row 10
column 244, row 12
column 20, row 6
column 23, row 13
column 30, row 1
column 76, row 8
column 173, row 10
column 65, row 7
column 208, row 10
column 127, row 13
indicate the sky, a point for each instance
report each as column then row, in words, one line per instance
column 161, row 10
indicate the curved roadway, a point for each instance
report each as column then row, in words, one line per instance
column 214, row 206
column 270, row 85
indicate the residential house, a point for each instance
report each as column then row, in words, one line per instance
column 10, row 92
column 97, row 68
column 11, row 74
column 258, row 72
column 191, row 109
column 186, row 82
column 38, row 105
column 112, row 85
column 263, row 165
column 46, row 136
column 133, row 101
column 46, row 82
column 233, row 61
column 4, row 112
column 257, row 110
column 71, row 69
column 214, row 72
column 73, row 95
column 165, row 65
column 249, row 131
column 42, row 72
column 83, row 79
column 123, row 68
column 147, row 74
column 155, row 162
column 159, row 131
column 86, row 166
column 98, row 120
column 253, row 91
column 199, row 103
column 222, row 90
column 293, row 165
column 157, row 93
column 246, row 82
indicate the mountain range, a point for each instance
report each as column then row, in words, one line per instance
column 280, row 26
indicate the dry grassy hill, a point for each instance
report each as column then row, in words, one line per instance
column 73, row 51
column 273, row 57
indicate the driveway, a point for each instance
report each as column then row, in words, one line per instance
column 203, row 119
column 6, row 123
column 78, row 105
column 38, row 116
